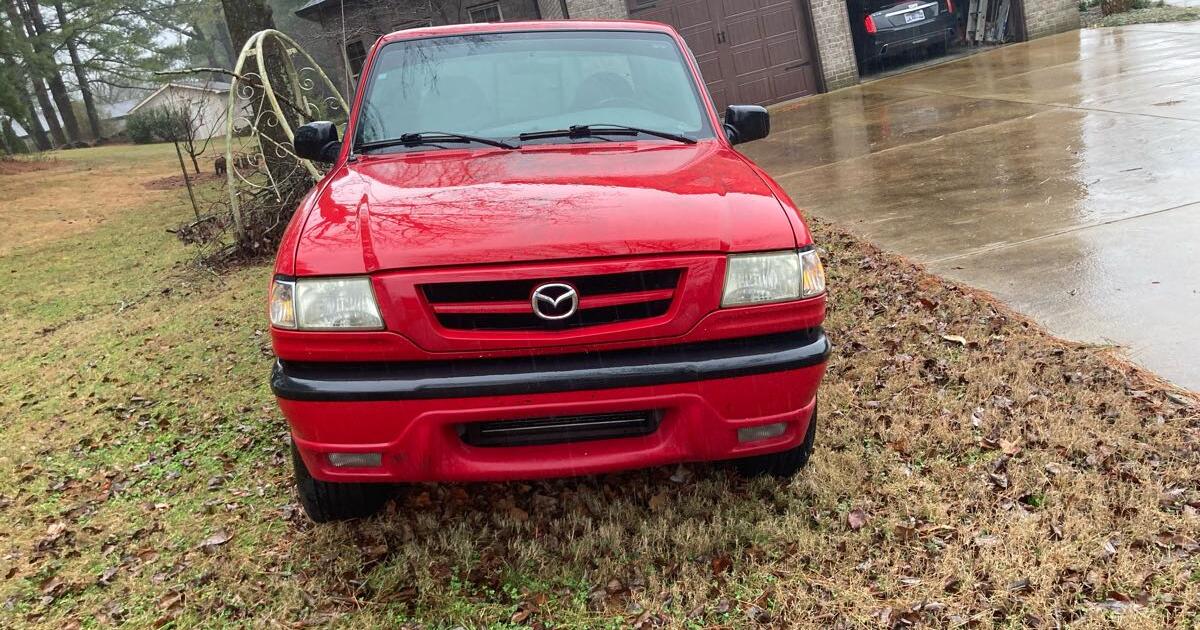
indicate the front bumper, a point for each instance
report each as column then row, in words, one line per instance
column 412, row 413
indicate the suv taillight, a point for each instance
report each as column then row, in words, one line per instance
column 949, row 6
column 869, row 22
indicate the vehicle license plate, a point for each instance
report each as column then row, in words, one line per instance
column 915, row 16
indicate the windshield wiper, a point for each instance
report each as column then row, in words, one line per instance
column 587, row 131
column 432, row 137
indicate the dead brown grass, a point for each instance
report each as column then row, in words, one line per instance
column 77, row 191
column 17, row 166
column 173, row 182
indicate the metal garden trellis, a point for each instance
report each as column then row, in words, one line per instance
column 256, row 105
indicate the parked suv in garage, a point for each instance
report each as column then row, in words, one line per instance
column 538, row 254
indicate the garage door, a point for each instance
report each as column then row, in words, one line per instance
column 749, row 51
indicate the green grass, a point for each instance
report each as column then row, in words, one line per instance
column 115, row 345
column 138, row 423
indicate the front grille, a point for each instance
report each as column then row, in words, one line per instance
column 505, row 304
column 542, row 431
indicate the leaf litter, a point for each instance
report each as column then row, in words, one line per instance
column 971, row 470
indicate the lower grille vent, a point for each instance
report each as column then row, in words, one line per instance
column 541, row 431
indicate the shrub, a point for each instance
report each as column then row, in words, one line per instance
column 140, row 126
column 159, row 124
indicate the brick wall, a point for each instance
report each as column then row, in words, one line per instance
column 597, row 9
column 320, row 31
column 834, row 44
column 1047, row 17
column 550, row 9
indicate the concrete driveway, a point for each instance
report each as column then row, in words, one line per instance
column 1062, row 175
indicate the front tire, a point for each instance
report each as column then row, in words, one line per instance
column 785, row 463
column 325, row 501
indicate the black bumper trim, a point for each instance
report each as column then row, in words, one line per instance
column 547, row 374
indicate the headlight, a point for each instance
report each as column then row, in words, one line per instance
column 772, row 277
column 325, row 304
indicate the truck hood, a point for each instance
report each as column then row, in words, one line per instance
column 454, row 207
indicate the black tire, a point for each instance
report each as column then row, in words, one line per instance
column 784, row 463
column 324, row 501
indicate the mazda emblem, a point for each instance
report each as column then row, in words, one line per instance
column 555, row 301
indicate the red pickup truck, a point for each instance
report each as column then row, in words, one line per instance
column 538, row 254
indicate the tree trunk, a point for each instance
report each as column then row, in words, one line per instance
column 34, row 126
column 85, row 88
column 21, row 36
column 187, row 180
column 244, row 18
column 51, row 116
column 210, row 49
column 50, row 71
column 15, row 145
column 5, row 135
column 222, row 36
column 24, row 111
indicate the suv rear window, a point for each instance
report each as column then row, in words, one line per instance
column 500, row 85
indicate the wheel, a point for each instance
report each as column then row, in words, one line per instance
column 785, row 463
column 325, row 501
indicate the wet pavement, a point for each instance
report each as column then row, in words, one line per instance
column 1062, row 175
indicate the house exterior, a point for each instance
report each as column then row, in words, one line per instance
column 113, row 116
column 346, row 36
column 208, row 102
column 749, row 51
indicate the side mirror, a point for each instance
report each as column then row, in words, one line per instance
column 744, row 123
column 318, row 141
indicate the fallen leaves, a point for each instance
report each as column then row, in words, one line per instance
column 517, row 514
column 681, row 474
column 52, row 586
column 951, row 488
column 55, row 534
column 171, row 604
column 857, row 519
column 986, row 540
column 1020, row 586
column 1004, row 446
column 527, row 608
column 1120, row 602
column 956, row 339
column 218, row 538
column 107, row 576
column 757, row 614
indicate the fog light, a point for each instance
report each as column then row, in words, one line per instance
column 763, row 432
column 355, row 460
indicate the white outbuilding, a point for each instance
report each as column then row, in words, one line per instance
column 208, row 102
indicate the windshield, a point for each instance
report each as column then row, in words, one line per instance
column 500, row 85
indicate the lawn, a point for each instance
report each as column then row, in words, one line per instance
column 970, row 469
column 1150, row 15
